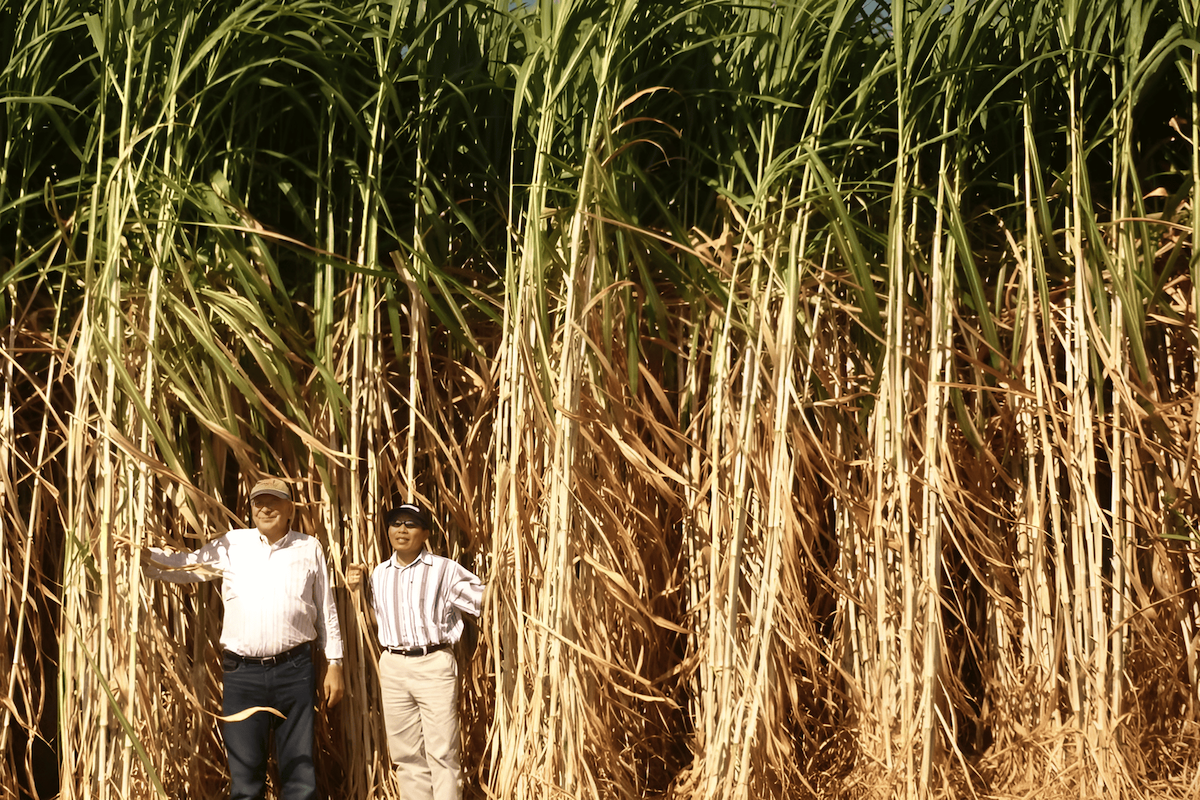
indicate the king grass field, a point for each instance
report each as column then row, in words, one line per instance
column 814, row 384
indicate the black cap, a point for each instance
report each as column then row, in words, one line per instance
column 410, row 511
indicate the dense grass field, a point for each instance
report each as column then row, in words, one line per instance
column 813, row 383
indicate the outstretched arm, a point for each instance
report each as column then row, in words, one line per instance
column 198, row 566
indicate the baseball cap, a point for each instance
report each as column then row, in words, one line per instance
column 410, row 510
column 272, row 486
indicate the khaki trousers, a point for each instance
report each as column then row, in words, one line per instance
column 420, row 714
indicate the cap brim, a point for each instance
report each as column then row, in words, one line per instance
column 399, row 516
column 273, row 492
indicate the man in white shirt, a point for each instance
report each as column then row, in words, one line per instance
column 278, row 603
column 418, row 601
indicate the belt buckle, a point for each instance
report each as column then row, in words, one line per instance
column 270, row 661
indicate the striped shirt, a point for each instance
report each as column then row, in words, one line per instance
column 276, row 596
column 423, row 603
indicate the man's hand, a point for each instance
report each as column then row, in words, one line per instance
column 335, row 685
column 354, row 576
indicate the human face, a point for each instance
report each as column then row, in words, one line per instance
column 272, row 515
column 407, row 536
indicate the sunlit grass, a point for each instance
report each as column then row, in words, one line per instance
column 813, row 384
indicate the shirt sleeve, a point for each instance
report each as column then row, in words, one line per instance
column 205, row 564
column 465, row 592
column 329, row 634
column 377, row 579
column 373, row 596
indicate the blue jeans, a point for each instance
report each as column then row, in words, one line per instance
column 287, row 687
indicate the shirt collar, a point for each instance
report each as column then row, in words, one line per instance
column 423, row 557
column 284, row 540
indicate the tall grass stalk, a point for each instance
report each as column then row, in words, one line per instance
column 811, row 382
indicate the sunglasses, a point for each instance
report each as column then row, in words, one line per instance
column 411, row 524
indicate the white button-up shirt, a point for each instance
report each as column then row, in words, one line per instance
column 422, row 603
column 276, row 596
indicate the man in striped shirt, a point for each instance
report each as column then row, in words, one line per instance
column 418, row 601
column 278, row 604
